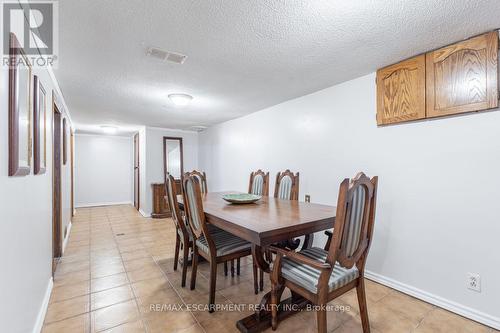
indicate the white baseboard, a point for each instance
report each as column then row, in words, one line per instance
column 143, row 213
column 98, row 204
column 43, row 309
column 66, row 238
column 457, row 308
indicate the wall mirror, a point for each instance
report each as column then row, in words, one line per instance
column 173, row 157
column 19, row 110
column 39, row 127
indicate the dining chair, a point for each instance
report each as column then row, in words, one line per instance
column 184, row 237
column 259, row 183
column 216, row 247
column 321, row 275
column 202, row 177
column 287, row 185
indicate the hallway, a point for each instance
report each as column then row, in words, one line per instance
column 117, row 276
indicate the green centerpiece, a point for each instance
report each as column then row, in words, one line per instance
column 241, row 198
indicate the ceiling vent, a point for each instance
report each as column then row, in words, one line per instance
column 163, row 55
column 198, row 128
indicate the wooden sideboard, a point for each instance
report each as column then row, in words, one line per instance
column 161, row 209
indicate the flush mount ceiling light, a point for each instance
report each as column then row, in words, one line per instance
column 109, row 129
column 180, row 99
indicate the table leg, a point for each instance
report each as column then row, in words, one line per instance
column 261, row 319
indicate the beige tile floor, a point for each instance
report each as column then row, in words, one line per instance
column 118, row 266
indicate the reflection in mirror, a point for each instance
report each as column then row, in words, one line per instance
column 172, row 156
column 24, row 86
column 19, row 110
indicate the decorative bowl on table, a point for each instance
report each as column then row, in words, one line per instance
column 241, row 198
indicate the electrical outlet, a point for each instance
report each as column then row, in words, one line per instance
column 308, row 198
column 474, row 282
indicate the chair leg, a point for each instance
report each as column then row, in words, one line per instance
column 321, row 319
column 213, row 282
column 232, row 268
column 275, row 299
column 184, row 266
column 238, row 266
column 261, row 272
column 363, row 310
column 255, row 279
column 225, row 268
column 176, row 256
column 195, row 267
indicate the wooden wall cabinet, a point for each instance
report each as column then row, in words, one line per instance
column 458, row 78
column 401, row 91
column 463, row 77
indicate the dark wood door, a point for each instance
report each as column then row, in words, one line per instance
column 136, row 172
column 56, row 188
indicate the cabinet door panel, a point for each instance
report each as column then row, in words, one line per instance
column 463, row 77
column 401, row 91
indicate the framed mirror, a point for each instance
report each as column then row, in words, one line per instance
column 39, row 127
column 19, row 110
column 173, row 157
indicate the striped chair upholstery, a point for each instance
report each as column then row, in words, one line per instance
column 193, row 208
column 285, row 188
column 225, row 243
column 308, row 277
column 258, row 185
column 355, row 222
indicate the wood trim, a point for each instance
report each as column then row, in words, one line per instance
column 165, row 138
column 72, row 166
column 64, row 141
column 15, row 52
column 137, row 167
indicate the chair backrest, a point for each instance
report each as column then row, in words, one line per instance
column 171, row 191
column 202, row 177
column 354, row 222
column 259, row 183
column 194, row 207
column 287, row 185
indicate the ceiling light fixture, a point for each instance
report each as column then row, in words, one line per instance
column 109, row 129
column 180, row 99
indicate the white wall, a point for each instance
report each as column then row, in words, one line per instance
column 26, row 224
column 103, row 170
column 438, row 187
column 151, row 141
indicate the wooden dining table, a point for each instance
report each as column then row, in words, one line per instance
column 265, row 222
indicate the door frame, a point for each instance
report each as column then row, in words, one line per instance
column 57, row 242
column 137, row 181
column 72, row 166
